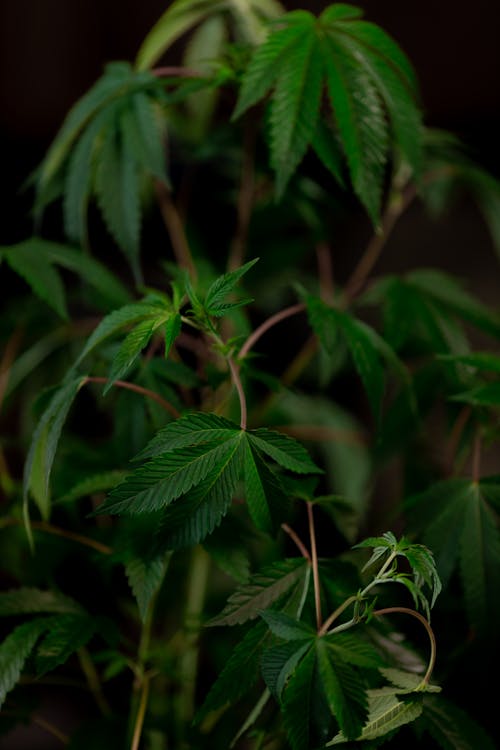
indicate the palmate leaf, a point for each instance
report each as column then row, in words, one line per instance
column 279, row 662
column 297, row 704
column 215, row 299
column 41, row 454
column 455, row 519
column 286, row 627
column 262, row 590
column 199, row 458
column 371, row 90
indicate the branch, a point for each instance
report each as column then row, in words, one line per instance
column 269, row 323
column 141, row 713
column 325, row 272
column 396, row 207
column 298, row 541
column 48, row 528
column 175, row 228
column 425, row 623
column 139, row 389
column 175, row 71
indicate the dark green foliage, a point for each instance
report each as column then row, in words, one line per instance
column 217, row 495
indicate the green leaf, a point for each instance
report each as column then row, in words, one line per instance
column 67, row 633
column 92, row 484
column 407, row 681
column 177, row 19
column 14, row 651
column 117, row 189
column 452, row 728
column 262, row 590
column 42, row 277
column 265, row 495
column 279, row 662
column 172, row 330
column 119, row 319
column 240, row 673
column 286, row 627
column 191, row 429
column 41, row 454
column 283, row 449
column 295, row 105
column 343, row 688
column 131, row 348
column 144, row 135
column 386, row 714
column 28, row 600
column 297, row 702
column 224, row 285
column 328, row 150
column 481, row 395
column 166, row 478
column 362, row 125
column 145, row 576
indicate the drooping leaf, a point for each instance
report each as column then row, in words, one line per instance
column 28, row 600
column 41, row 454
column 42, row 277
column 266, row 499
column 262, row 590
column 143, row 134
column 92, row 484
column 145, row 576
column 14, row 651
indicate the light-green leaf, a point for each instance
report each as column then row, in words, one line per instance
column 386, row 714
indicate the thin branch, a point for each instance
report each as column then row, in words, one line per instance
column 235, row 374
column 139, row 389
column 269, row 323
column 425, row 623
column 314, row 560
column 93, row 681
column 321, row 433
column 50, row 728
column 175, row 228
column 49, row 528
column 245, row 198
column 331, row 619
column 396, row 207
column 298, row 541
column 176, row 71
column 325, row 272
column 140, row 716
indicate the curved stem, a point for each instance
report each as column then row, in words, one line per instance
column 235, row 374
column 425, row 623
column 48, row 528
column 314, row 560
column 298, row 541
column 331, row 619
column 93, row 681
column 269, row 323
column 138, row 389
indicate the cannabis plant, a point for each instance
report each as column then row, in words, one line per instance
column 202, row 546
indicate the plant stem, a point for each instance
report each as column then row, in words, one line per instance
column 425, row 623
column 48, row 528
column 269, row 323
column 245, row 198
column 235, row 374
column 141, row 713
column 175, row 229
column 93, row 681
column 314, row 561
column 298, row 541
column 331, row 619
column 176, row 71
column 325, row 272
column 188, row 665
column 397, row 205
column 39, row 721
column 138, row 389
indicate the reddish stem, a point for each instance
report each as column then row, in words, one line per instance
column 269, row 323
column 139, row 389
column 298, row 541
column 314, row 560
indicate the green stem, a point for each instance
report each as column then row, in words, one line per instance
column 331, row 619
column 141, row 713
column 235, row 374
column 430, row 633
column 315, row 568
column 188, row 663
column 93, row 681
